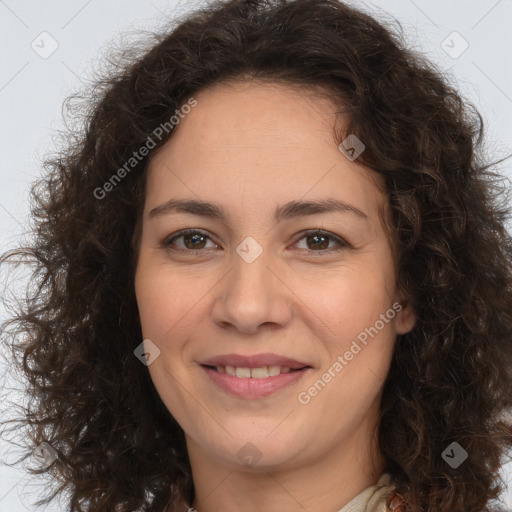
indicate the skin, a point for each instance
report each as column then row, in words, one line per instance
column 250, row 147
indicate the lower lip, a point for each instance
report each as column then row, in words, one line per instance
column 253, row 388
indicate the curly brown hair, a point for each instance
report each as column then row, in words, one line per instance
column 118, row 447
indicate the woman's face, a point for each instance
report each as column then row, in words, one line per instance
column 256, row 287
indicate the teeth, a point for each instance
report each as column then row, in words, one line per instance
column 274, row 370
column 243, row 372
column 259, row 373
column 256, row 373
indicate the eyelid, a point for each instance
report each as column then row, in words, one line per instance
column 342, row 243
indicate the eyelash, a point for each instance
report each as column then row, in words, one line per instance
column 342, row 244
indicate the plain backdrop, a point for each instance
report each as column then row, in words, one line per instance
column 50, row 48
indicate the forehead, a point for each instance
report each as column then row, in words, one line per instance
column 260, row 143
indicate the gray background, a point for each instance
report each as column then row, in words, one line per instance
column 32, row 89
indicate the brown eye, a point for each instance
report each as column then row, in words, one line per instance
column 196, row 241
column 318, row 241
column 192, row 240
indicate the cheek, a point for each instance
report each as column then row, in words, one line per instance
column 358, row 342
column 348, row 300
column 165, row 298
column 167, row 301
column 153, row 302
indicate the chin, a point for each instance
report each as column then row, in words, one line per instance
column 260, row 447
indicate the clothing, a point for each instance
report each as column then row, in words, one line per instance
column 373, row 498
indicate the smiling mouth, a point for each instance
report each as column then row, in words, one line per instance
column 263, row 372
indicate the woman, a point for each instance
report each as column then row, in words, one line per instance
column 274, row 275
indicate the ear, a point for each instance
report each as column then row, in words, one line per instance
column 405, row 318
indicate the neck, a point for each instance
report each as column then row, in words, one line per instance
column 328, row 482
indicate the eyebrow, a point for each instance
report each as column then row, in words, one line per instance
column 288, row 210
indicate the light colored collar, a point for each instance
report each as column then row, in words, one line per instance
column 373, row 498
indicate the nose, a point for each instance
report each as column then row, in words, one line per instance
column 251, row 295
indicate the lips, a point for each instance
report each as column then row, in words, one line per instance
column 254, row 376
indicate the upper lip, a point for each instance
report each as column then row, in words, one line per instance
column 254, row 361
